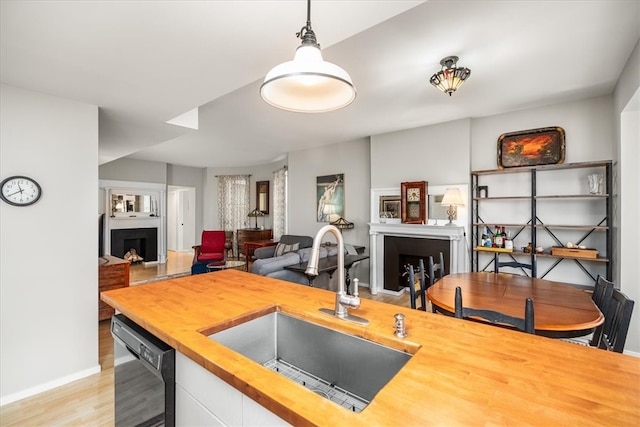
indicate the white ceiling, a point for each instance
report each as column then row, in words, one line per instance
column 146, row 62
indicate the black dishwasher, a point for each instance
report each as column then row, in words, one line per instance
column 144, row 376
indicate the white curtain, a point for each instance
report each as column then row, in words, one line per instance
column 233, row 203
column 279, row 203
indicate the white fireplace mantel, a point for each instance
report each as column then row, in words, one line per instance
column 158, row 193
column 377, row 231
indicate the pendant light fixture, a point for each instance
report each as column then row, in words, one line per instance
column 308, row 84
column 450, row 77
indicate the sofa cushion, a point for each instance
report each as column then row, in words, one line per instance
column 304, row 241
column 268, row 265
column 332, row 250
column 210, row 256
column 266, row 252
column 289, row 276
column 282, row 248
column 306, row 252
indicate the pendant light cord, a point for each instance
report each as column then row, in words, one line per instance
column 306, row 34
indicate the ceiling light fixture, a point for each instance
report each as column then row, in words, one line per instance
column 450, row 77
column 308, row 84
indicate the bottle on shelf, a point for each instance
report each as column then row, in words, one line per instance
column 508, row 243
column 497, row 238
column 487, row 242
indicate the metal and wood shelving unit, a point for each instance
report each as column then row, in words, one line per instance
column 534, row 225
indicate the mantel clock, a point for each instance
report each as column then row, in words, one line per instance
column 413, row 202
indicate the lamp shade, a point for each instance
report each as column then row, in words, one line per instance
column 255, row 213
column 308, row 84
column 342, row 224
column 452, row 197
column 450, row 77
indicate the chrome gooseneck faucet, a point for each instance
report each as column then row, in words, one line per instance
column 342, row 298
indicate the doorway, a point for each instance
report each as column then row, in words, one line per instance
column 181, row 218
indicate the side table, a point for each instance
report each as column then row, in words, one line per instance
column 359, row 249
column 113, row 273
column 217, row 266
column 329, row 265
column 250, row 247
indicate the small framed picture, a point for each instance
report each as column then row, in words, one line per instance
column 390, row 205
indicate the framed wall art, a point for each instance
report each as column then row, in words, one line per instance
column 544, row 146
column 414, row 202
column 391, row 206
column 330, row 197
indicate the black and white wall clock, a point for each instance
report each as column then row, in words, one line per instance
column 20, row 190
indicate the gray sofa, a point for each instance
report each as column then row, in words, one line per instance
column 267, row 264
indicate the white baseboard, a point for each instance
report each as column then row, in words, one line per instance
column 390, row 292
column 4, row 400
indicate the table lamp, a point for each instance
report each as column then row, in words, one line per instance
column 255, row 214
column 452, row 198
column 342, row 224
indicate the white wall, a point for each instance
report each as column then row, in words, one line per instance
column 351, row 158
column 588, row 126
column 438, row 154
column 48, row 251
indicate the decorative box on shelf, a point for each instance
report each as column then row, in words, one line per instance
column 574, row 252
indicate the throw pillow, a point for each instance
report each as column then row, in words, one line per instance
column 282, row 249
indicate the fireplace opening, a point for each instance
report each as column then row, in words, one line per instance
column 144, row 241
column 403, row 264
column 401, row 251
column 135, row 250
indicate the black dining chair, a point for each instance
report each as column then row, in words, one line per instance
column 617, row 319
column 525, row 324
column 514, row 264
column 601, row 297
column 439, row 268
column 602, row 291
column 416, row 288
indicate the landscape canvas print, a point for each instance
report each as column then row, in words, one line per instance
column 533, row 147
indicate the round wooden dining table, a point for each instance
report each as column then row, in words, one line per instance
column 560, row 309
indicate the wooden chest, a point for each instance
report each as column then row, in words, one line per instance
column 251, row 235
column 574, row 252
column 112, row 274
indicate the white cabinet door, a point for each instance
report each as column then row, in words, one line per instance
column 204, row 399
column 190, row 413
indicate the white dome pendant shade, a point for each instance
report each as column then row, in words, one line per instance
column 308, row 84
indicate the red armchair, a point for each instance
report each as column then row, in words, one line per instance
column 212, row 247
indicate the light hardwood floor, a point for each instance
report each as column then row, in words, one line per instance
column 177, row 263
column 89, row 401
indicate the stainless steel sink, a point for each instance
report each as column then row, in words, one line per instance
column 341, row 367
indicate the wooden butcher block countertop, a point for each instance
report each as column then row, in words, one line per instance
column 462, row 373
